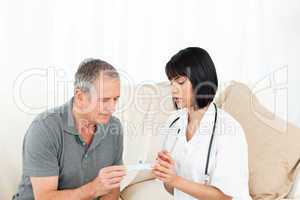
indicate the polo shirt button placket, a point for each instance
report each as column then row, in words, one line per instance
column 84, row 162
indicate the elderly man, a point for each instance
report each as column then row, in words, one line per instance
column 75, row 151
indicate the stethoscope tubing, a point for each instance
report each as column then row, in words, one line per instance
column 210, row 142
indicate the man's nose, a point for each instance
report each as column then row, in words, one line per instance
column 111, row 106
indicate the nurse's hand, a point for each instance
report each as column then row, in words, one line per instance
column 164, row 169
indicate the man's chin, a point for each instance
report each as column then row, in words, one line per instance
column 103, row 120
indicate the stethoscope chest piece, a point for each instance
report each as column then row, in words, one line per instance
column 206, row 179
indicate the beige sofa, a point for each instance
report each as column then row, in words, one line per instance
column 152, row 105
column 142, row 110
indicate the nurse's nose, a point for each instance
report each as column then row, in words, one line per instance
column 175, row 88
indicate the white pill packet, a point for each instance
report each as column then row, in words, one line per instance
column 139, row 167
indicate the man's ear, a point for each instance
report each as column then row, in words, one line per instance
column 79, row 97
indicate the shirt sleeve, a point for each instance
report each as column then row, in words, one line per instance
column 231, row 172
column 39, row 152
column 119, row 156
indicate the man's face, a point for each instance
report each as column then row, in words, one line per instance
column 100, row 104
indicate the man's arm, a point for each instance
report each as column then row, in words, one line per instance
column 45, row 188
column 113, row 195
column 108, row 181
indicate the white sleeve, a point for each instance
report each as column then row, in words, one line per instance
column 231, row 173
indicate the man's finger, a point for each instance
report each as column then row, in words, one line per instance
column 115, row 180
column 113, row 168
column 113, row 186
column 114, row 174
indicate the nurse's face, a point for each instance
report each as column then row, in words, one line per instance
column 182, row 92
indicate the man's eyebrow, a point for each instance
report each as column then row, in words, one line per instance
column 101, row 98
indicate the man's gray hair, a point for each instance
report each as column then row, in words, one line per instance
column 89, row 70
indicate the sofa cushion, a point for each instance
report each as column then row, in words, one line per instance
column 147, row 190
column 273, row 144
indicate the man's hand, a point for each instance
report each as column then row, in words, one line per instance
column 108, row 179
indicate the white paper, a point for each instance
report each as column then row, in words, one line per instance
column 138, row 167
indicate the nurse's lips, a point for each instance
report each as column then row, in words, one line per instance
column 177, row 99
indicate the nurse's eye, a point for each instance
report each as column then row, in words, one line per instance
column 181, row 80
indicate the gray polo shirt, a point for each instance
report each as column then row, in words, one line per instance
column 53, row 147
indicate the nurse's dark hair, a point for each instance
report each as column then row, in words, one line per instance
column 196, row 64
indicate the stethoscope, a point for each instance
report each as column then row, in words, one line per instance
column 206, row 175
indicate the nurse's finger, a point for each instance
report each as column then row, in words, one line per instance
column 168, row 154
column 162, row 169
column 165, row 153
column 167, row 158
column 157, row 167
column 164, row 156
column 165, row 164
column 160, row 175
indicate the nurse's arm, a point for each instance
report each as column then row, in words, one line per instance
column 199, row 191
column 169, row 188
column 164, row 171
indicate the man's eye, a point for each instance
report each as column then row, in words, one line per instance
column 103, row 100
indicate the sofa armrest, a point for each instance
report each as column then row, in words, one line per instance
column 295, row 191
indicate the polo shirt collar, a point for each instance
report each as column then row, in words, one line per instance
column 68, row 119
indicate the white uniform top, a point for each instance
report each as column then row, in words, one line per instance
column 228, row 165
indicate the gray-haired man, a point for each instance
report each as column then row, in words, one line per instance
column 75, row 151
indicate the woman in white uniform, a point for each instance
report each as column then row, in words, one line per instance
column 205, row 152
